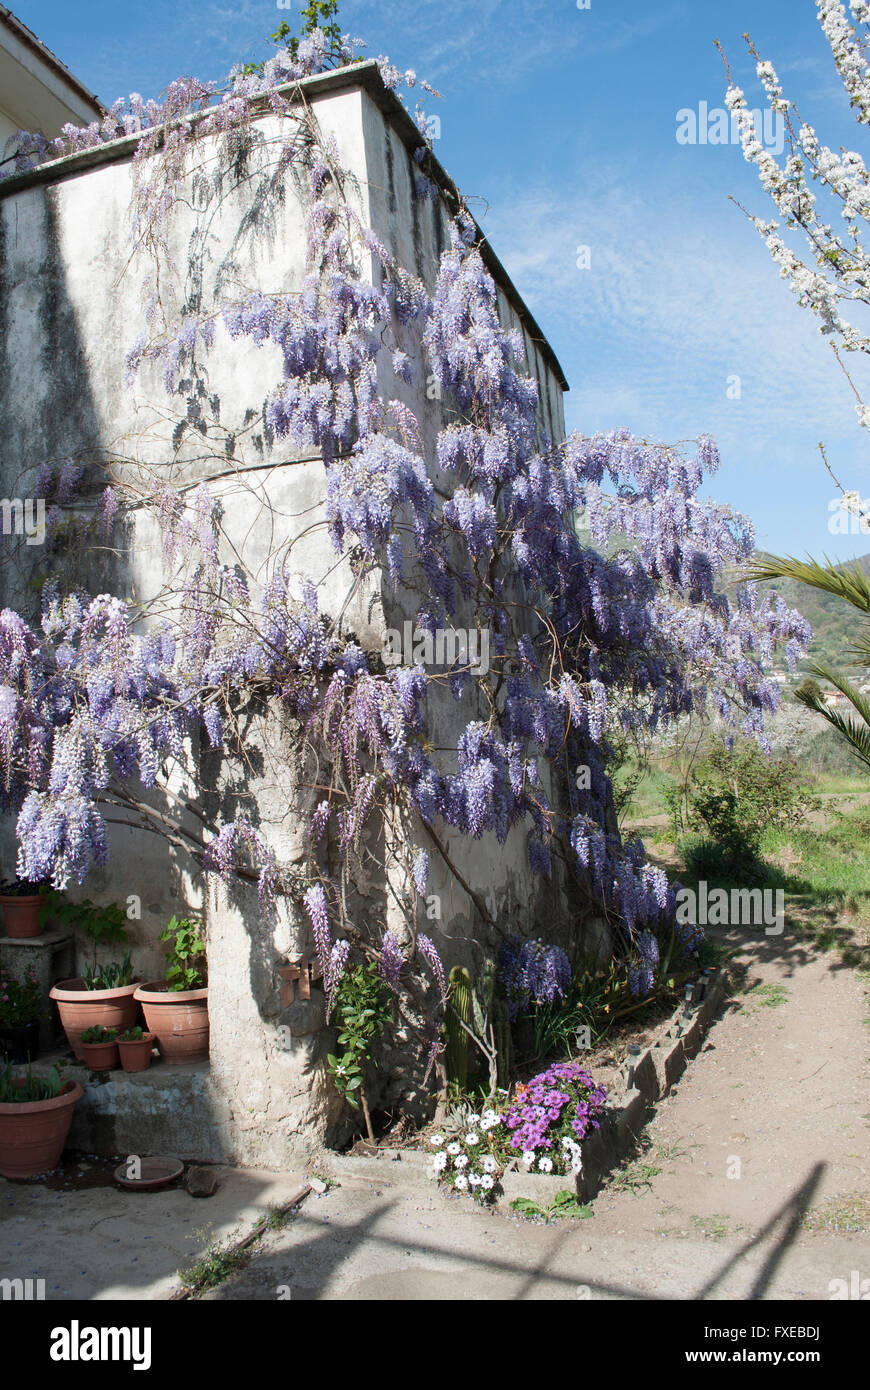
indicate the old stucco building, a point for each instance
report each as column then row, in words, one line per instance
column 70, row 305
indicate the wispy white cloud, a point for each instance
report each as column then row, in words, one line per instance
column 678, row 299
column 615, row 35
column 498, row 42
column 675, row 302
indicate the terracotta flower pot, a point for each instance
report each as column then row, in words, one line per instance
column 178, row 1020
column 19, row 1042
column 136, row 1054
column 101, row 1056
column 21, row 916
column 82, row 1008
column 32, row 1134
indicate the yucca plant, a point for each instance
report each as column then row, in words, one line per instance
column 849, row 583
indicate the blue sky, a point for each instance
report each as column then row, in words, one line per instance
column 560, row 124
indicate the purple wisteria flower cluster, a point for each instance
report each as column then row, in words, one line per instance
column 551, row 1115
column 533, row 973
column 642, row 972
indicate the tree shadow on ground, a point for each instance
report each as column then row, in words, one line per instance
column 316, row 1255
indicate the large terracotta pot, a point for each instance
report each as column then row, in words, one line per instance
column 82, row 1008
column 178, row 1020
column 32, row 1134
column 21, row 916
column 136, row 1052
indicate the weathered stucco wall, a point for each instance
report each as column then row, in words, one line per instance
column 71, row 305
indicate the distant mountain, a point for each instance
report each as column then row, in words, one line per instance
column 833, row 621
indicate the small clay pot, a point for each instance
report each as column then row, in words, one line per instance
column 82, row 1008
column 33, row 1133
column 178, row 1019
column 136, row 1053
column 102, row 1056
column 21, row 916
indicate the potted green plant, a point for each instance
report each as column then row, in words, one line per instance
column 104, row 995
column 100, row 1048
column 21, row 1010
column 21, row 900
column 35, row 1116
column 135, row 1047
column 176, row 1009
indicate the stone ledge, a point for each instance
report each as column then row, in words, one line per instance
column 51, row 958
column 163, row 1110
column 57, row 936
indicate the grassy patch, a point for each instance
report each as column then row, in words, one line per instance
column 649, row 795
column 847, row 1213
column 764, row 997
column 213, row 1268
column 635, row 1177
column 711, row 1227
column 669, row 1151
column 221, row 1261
column 832, row 860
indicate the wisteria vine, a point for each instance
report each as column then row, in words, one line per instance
column 623, row 626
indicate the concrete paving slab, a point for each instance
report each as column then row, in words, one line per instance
column 107, row 1243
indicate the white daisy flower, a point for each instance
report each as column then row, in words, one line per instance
column 461, row 1161
column 454, row 1149
column 474, row 1120
column 460, row 1181
column 529, row 1157
column 489, row 1164
column 487, row 1182
column 472, row 1138
column 545, row 1165
column 436, row 1140
column 574, row 1155
column 474, row 1179
column 440, row 1162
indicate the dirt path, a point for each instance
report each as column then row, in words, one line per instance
column 762, row 1190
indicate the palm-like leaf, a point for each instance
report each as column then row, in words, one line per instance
column 848, row 582
column 851, row 584
column 855, row 734
column 859, row 651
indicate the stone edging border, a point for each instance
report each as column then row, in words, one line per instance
column 655, row 1072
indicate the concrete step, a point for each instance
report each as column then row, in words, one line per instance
column 170, row 1110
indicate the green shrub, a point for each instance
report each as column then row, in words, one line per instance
column 185, row 948
column 101, row 924
column 362, row 1010
column 738, row 794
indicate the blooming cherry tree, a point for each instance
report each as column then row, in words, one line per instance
column 832, row 279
